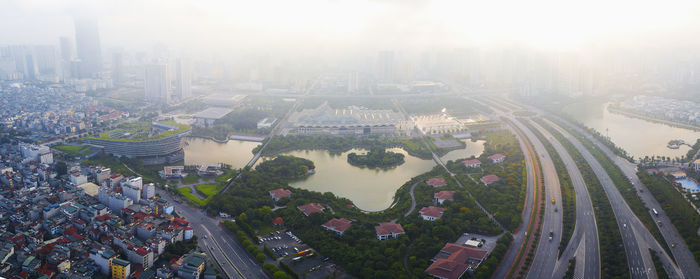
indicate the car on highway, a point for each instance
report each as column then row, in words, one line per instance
column 552, row 200
column 551, row 234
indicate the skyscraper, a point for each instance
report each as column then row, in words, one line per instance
column 385, row 66
column 67, row 57
column 117, row 69
column 87, row 40
column 183, row 78
column 157, row 84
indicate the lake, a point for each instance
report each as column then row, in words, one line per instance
column 638, row 137
column 237, row 153
column 369, row 189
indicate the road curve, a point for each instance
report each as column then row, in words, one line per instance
column 585, row 230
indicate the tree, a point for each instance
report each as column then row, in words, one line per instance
column 280, row 275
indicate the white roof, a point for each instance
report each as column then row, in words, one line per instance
column 213, row 113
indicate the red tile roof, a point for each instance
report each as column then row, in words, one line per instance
column 432, row 211
column 388, row 228
column 488, row 179
column 471, row 162
column 497, row 156
column 454, row 266
column 436, row 182
column 310, row 208
column 445, row 195
column 280, row 193
column 278, row 221
column 339, row 225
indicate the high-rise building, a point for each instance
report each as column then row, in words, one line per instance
column 117, row 68
column 183, row 78
column 67, row 52
column 157, row 83
column 385, row 66
column 87, row 40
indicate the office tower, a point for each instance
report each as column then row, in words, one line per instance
column 30, row 69
column 385, row 66
column 87, row 40
column 183, row 78
column 353, row 82
column 157, row 83
column 117, row 68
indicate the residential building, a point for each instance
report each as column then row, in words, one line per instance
column 337, row 225
column 489, row 179
column 121, row 269
column 443, row 196
column 387, row 230
column 310, row 208
column 472, row 163
column 431, row 213
column 157, row 84
column 436, row 182
column 277, row 194
column 497, row 158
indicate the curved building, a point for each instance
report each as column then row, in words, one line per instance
column 169, row 141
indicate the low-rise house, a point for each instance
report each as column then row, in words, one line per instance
column 472, row 163
column 310, row 208
column 431, row 213
column 443, row 196
column 387, row 230
column 454, row 260
column 489, row 179
column 277, row 194
column 436, row 182
column 337, row 225
column 497, row 158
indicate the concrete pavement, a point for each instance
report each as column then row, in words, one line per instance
column 584, row 244
column 684, row 258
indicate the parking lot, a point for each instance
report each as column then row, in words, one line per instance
column 311, row 265
column 487, row 242
column 282, row 243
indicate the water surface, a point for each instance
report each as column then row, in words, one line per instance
column 638, row 137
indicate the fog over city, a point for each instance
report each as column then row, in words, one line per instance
column 207, row 139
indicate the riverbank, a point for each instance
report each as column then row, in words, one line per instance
column 614, row 109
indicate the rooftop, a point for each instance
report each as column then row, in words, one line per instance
column 388, row 228
column 339, row 225
column 213, row 113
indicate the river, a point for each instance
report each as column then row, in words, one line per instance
column 638, row 137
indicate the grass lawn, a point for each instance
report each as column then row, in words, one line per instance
column 187, row 193
column 208, row 190
column 190, row 179
column 74, row 150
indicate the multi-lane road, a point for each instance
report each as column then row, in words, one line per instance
column 232, row 259
column 684, row 258
column 584, row 244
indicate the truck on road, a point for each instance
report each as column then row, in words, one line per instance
column 655, row 212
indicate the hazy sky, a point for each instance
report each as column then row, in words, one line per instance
column 357, row 24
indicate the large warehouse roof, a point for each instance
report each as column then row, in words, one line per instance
column 213, row 113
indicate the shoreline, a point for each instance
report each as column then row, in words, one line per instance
column 250, row 139
column 691, row 127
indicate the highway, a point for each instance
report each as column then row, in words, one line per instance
column 547, row 250
column 584, row 244
column 509, row 260
column 632, row 230
column 684, row 258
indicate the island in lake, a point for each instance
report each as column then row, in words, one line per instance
column 376, row 158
